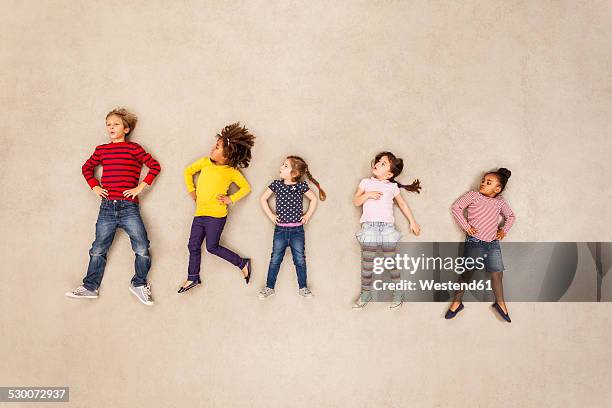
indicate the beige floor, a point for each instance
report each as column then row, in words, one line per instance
column 455, row 89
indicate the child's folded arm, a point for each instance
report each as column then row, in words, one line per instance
column 88, row 169
column 243, row 187
column 145, row 158
column 508, row 215
column 458, row 207
column 189, row 171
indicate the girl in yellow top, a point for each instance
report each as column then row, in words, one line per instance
column 217, row 172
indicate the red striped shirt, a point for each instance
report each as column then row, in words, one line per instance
column 121, row 165
column 483, row 213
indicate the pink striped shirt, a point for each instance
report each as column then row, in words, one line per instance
column 483, row 213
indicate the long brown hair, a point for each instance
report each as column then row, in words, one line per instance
column 299, row 166
column 397, row 165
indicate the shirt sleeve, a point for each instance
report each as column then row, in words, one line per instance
column 304, row 187
column 89, row 167
column 458, row 207
column 508, row 215
column 243, row 186
column 189, row 171
column 145, row 158
column 396, row 190
column 273, row 186
column 362, row 184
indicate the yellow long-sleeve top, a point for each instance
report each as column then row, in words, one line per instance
column 214, row 180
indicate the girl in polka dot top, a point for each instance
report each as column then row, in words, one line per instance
column 289, row 220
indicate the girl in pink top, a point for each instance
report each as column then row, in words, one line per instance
column 483, row 233
column 377, row 194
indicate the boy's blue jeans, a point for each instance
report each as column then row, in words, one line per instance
column 118, row 214
column 284, row 237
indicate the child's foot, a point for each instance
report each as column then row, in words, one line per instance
column 189, row 285
column 246, row 271
column 364, row 298
column 398, row 299
column 305, row 292
column 83, row 293
column 265, row 292
column 143, row 293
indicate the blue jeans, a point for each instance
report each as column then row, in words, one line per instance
column 118, row 214
column 489, row 251
column 284, row 237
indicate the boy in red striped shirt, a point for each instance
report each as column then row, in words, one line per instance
column 121, row 163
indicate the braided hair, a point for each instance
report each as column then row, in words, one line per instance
column 397, row 165
column 237, row 142
column 301, row 168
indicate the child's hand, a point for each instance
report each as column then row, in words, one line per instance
column 471, row 231
column 223, row 199
column 193, row 195
column 274, row 218
column 374, row 195
column 132, row 193
column 305, row 218
column 415, row 228
column 100, row 192
column 500, row 234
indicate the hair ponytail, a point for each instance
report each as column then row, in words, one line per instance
column 415, row 186
column 301, row 168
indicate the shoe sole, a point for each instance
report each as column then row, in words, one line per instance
column 396, row 306
column 138, row 297
column 265, row 297
column 72, row 295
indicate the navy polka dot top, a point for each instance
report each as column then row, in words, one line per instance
column 289, row 200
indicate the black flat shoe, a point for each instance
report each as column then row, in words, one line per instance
column 501, row 312
column 248, row 265
column 190, row 286
column 450, row 313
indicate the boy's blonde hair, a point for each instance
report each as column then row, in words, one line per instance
column 128, row 118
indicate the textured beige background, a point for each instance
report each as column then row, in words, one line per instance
column 454, row 88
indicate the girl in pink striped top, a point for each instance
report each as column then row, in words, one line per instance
column 484, row 208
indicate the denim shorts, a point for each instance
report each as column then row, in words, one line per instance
column 378, row 233
column 490, row 251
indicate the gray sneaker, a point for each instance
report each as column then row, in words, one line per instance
column 398, row 299
column 305, row 292
column 266, row 292
column 83, row 293
column 364, row 298
column 143, row 293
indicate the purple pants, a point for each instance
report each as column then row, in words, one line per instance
column 211, row 229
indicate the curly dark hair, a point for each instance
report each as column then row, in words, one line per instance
column 397, row 165
column 237, row 144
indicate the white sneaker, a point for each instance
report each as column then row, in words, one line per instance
column 265, row 292
column 398, row 299
column 83, row 293
column 364, row 298
column 305, row 292
column 143, row 293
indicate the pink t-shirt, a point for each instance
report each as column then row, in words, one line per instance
column 380, row 210
column 483, row 213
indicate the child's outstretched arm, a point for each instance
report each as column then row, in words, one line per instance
column 403, row 205
column 311, row 206
column 263, row 200
column 88, row 172
column 457, row 209
column 361, row 196
column 188, row 173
